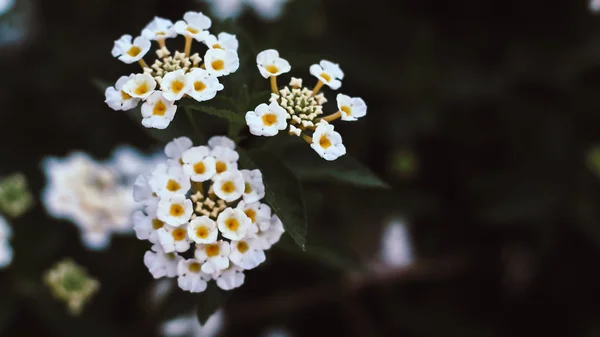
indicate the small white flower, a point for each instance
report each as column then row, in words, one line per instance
column 129, row 52
column 270, row 235
column 161, row 264
column 267, row 9
column 327, row 142
column 203, row 86
column 329, row 73
column 229, row 185
column 230, row 279
column 174, row 85
column 219, row 62
column 6, row 254
column 146, row 226
column 175, row 148
column 175, row 211
column 157, row 111
column 296, row 83
column 194, row 25
column 270, row 64
column 173, row 239
column 187, row 325
column 267, row 120
column 221, row 141
column 233, row 223
column 203, row 230
column 140, row 86
column 198, row 164
column 259, row 214
column 352, row 108
column 167, row 181
column 159, row 29
column 226, row 159
column 254, row 188
column 214, row 256
column 190, row 277
column 247, row 254
column 224, row 41
column 395, row 245
column 117, row 99
column 142, row 191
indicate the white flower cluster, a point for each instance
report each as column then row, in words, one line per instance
column 95, row 196
column 172, row 77
column 204, row 216
column 299, row 109
column 6, row 252
column 265, row 9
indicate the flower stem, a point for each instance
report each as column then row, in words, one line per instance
column 143, row 63
column 161, row 43
column 188, row 46
column 317, row 88
column 332, row 117
column 274, row 85
column 307, row 138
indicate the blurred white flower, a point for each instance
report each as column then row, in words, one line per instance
column 95, row 196
column 277, row 332
column 6, row 5
column 188, row 325
column 265, row 9
column 6, row 252
column 396, row 248
column 595, row 5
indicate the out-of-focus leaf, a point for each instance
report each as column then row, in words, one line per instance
column 309, row 166
column 283, row 192
column 231, row 116
column 332, row 257
column 209, row 301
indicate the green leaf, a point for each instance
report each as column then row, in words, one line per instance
column 283, row 191
column 243, row 100
column 210, row 301
column 231, row 116
column 309, row 166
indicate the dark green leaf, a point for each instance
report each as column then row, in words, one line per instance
column 309, row 166
column 283, row 192
column 231, row 116
column 210, row 301
column 243, row 100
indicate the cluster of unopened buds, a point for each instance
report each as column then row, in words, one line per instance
column 300, row 109
column 204, row 216
column 172, row 76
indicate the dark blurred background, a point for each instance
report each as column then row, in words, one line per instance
column 481, row 116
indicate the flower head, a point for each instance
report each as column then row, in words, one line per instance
column 159, row 29
column 15, row 198
column 71, row 284
column 158, row 111
column 128, row 51
column 329, row 73
column 270, row 64
column 205, row 207
column 195, row 25
column 267, row 120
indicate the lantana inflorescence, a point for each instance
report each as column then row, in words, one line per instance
column 300, row 109
column 204, row 216
column 173, row 75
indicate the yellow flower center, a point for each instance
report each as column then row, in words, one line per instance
column 141, row 89
column 212, row 250
column 177, row 86
column 218, row 65
column 269, row 119
column 194, row 267
column 242, row 246
column 159, row 109
column 134, row 51
column 326, row 77
column 228, row 187
column 192, row 30
column 251, row 214
column 161, row 33
column 202, row 232
column 173, row 186
column 217, row 46
column 247, row 188
column 346, row 109
column 221, row 167
column 272, row 68
column 176, row 210
column 125, row 96
column 232, row 224
column 157, row 224
column 324, row 142
column 199, row 168
column 178, row 234
column 199, row 86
